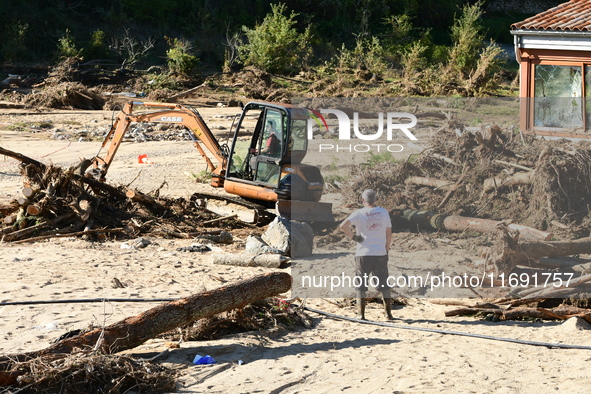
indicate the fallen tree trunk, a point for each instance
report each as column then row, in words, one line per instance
column 437, row 221
column 133, row 331
column 422, row 181
column 498, row 182
column 508, row 252
column 249, row 260
column 560, row 313
column 551, row 291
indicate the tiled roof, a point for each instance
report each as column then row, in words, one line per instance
column 574, row 15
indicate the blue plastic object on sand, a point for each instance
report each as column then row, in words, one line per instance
column 203, row 360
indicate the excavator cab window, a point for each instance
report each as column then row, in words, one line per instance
column 270, row 147
column 244, row 146
column 259, row 156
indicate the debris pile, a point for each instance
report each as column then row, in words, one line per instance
column 81, row 373
column 267, row 314
column 258, row 85
column 528, row 192
column 61, row 202
column 490, row 173
column 132, row 332
column 66, row 95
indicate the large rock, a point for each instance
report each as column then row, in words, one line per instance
column 255, row 245
column 294, row 239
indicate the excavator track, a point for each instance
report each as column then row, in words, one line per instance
column 246, row 211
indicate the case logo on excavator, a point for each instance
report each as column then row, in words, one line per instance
column 171, row 119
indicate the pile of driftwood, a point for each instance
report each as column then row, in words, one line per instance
column 511, row 309
column 59, row 202
column 22, row 370
column 488, row 173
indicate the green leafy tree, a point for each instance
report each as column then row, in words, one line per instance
column 275, row 45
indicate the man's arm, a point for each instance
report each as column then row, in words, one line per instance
column 388, row 238
column 346, row 228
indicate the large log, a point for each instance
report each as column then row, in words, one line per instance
column 437, row 221
column 498, row 182
column 423, row 181
column 133, row 331
column 560, row 313
column 508, row 252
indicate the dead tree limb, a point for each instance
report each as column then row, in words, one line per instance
column 32, row 229
column 423, row 181
column 451, row 191
column 558, row 313
column 93, row 183
column 513, row 165
column 22, row 158
column 133, row 331
column 144, row 199
column 268, row 260
column 187, row 92
column 437, row 221
column 498, row 182
column 508, row 252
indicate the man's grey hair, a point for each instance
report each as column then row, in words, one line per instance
column 369, row 195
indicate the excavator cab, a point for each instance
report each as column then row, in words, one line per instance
column 265, row 162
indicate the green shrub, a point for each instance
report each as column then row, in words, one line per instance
column 66, row 48
column 467, row 37
column 179, row 56
column 368, row 54
column 97, row 47
column 275, row 45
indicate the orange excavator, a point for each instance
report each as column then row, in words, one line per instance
column 265, row 170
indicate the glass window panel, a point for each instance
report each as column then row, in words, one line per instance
column 299, row 139
column 557, row 100
column 588, row 96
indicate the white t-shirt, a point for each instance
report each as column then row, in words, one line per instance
column 371, row 224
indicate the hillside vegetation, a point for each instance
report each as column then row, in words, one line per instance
column 430, row 47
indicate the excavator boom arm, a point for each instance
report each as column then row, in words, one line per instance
column 170, row 114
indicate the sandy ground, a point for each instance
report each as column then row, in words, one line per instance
column 334, row 356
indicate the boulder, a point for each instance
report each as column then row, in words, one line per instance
column 291, row 238
column 255, row 246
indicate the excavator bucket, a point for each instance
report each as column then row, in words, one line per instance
column 306, row 211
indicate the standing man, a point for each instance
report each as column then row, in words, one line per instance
column 373, row 234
